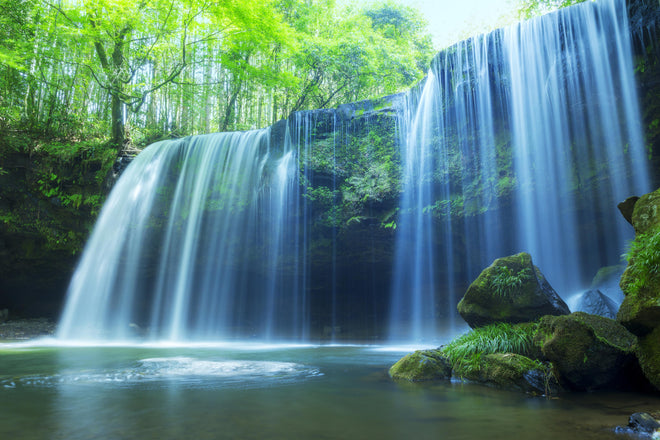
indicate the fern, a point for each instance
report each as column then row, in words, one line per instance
column 505, row 281
column 643, row 259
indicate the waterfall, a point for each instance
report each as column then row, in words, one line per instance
column 198, row 240
column 524, row 139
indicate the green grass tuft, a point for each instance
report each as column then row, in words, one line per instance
column 465, row 351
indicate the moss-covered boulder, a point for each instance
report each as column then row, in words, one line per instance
column 640, row 310
column 588, row 352
column 422, row 365
column 648, row 355
column 646, row 213
column 510, row 290
column 509, row 371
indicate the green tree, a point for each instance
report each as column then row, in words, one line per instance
column 531, row 8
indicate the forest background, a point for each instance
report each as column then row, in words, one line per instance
column 127, row 73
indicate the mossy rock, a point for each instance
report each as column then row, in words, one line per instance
column 420, row 366
column 640, row 313
column 627, row 207
column 648, row 355
column 509, row 371
column 510, row 290
column 588, row 352
column 640, row 282
column 646, row 213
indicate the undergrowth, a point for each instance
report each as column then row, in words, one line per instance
column 505, row 280
column 465, row 351
column 643, row 259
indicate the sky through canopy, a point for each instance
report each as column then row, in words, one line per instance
column 453, row 20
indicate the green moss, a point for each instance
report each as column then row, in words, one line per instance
column 643, row 271
column 648, row 354
column 421, row 365
column 640, row 283
column 504, row 281
column 587, row 351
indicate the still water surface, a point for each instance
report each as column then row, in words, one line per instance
column 273, row 392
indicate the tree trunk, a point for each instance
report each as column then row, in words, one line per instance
column 118, row 129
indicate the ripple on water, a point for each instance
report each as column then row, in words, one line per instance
column 188, row 371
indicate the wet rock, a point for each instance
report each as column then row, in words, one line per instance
column 626, row 208
column 121, row 163
column 512, row 372
column 510, row 290
column 640, row 313
column 595, row 302
column 588, row 352
column 607, row 281
column 641, row 423
column 646, row 213
column 22, row 329
column 648, row 355
column 422, row 365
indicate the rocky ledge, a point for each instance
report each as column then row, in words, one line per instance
column 23, row 329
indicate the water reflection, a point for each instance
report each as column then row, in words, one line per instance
column 305, row 392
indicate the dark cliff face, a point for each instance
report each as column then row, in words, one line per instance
column 50, row 194
column 645, row 27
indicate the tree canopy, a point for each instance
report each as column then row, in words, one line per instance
column 139, row 70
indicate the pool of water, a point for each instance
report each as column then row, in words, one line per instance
column 250, row 391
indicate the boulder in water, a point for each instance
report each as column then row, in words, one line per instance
column 641, row 423
column 422, row 365
column 596, row 302
column 510, row 290
column 588, row 352
column 510, row 371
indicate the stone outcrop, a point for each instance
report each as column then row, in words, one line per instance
column 513, row 372
column 588, row 352
column 510, row 290
column 640, row 310
column 422, row 365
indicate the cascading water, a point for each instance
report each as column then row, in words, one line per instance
column 195, row 234
column 520, row 140
column 523, row 139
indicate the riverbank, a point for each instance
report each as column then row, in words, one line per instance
column 24, row 329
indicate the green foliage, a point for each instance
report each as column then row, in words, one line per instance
column 643, row 259
column 465, row 352
column 135, row 71
column 531, row 8
column 504, row 281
